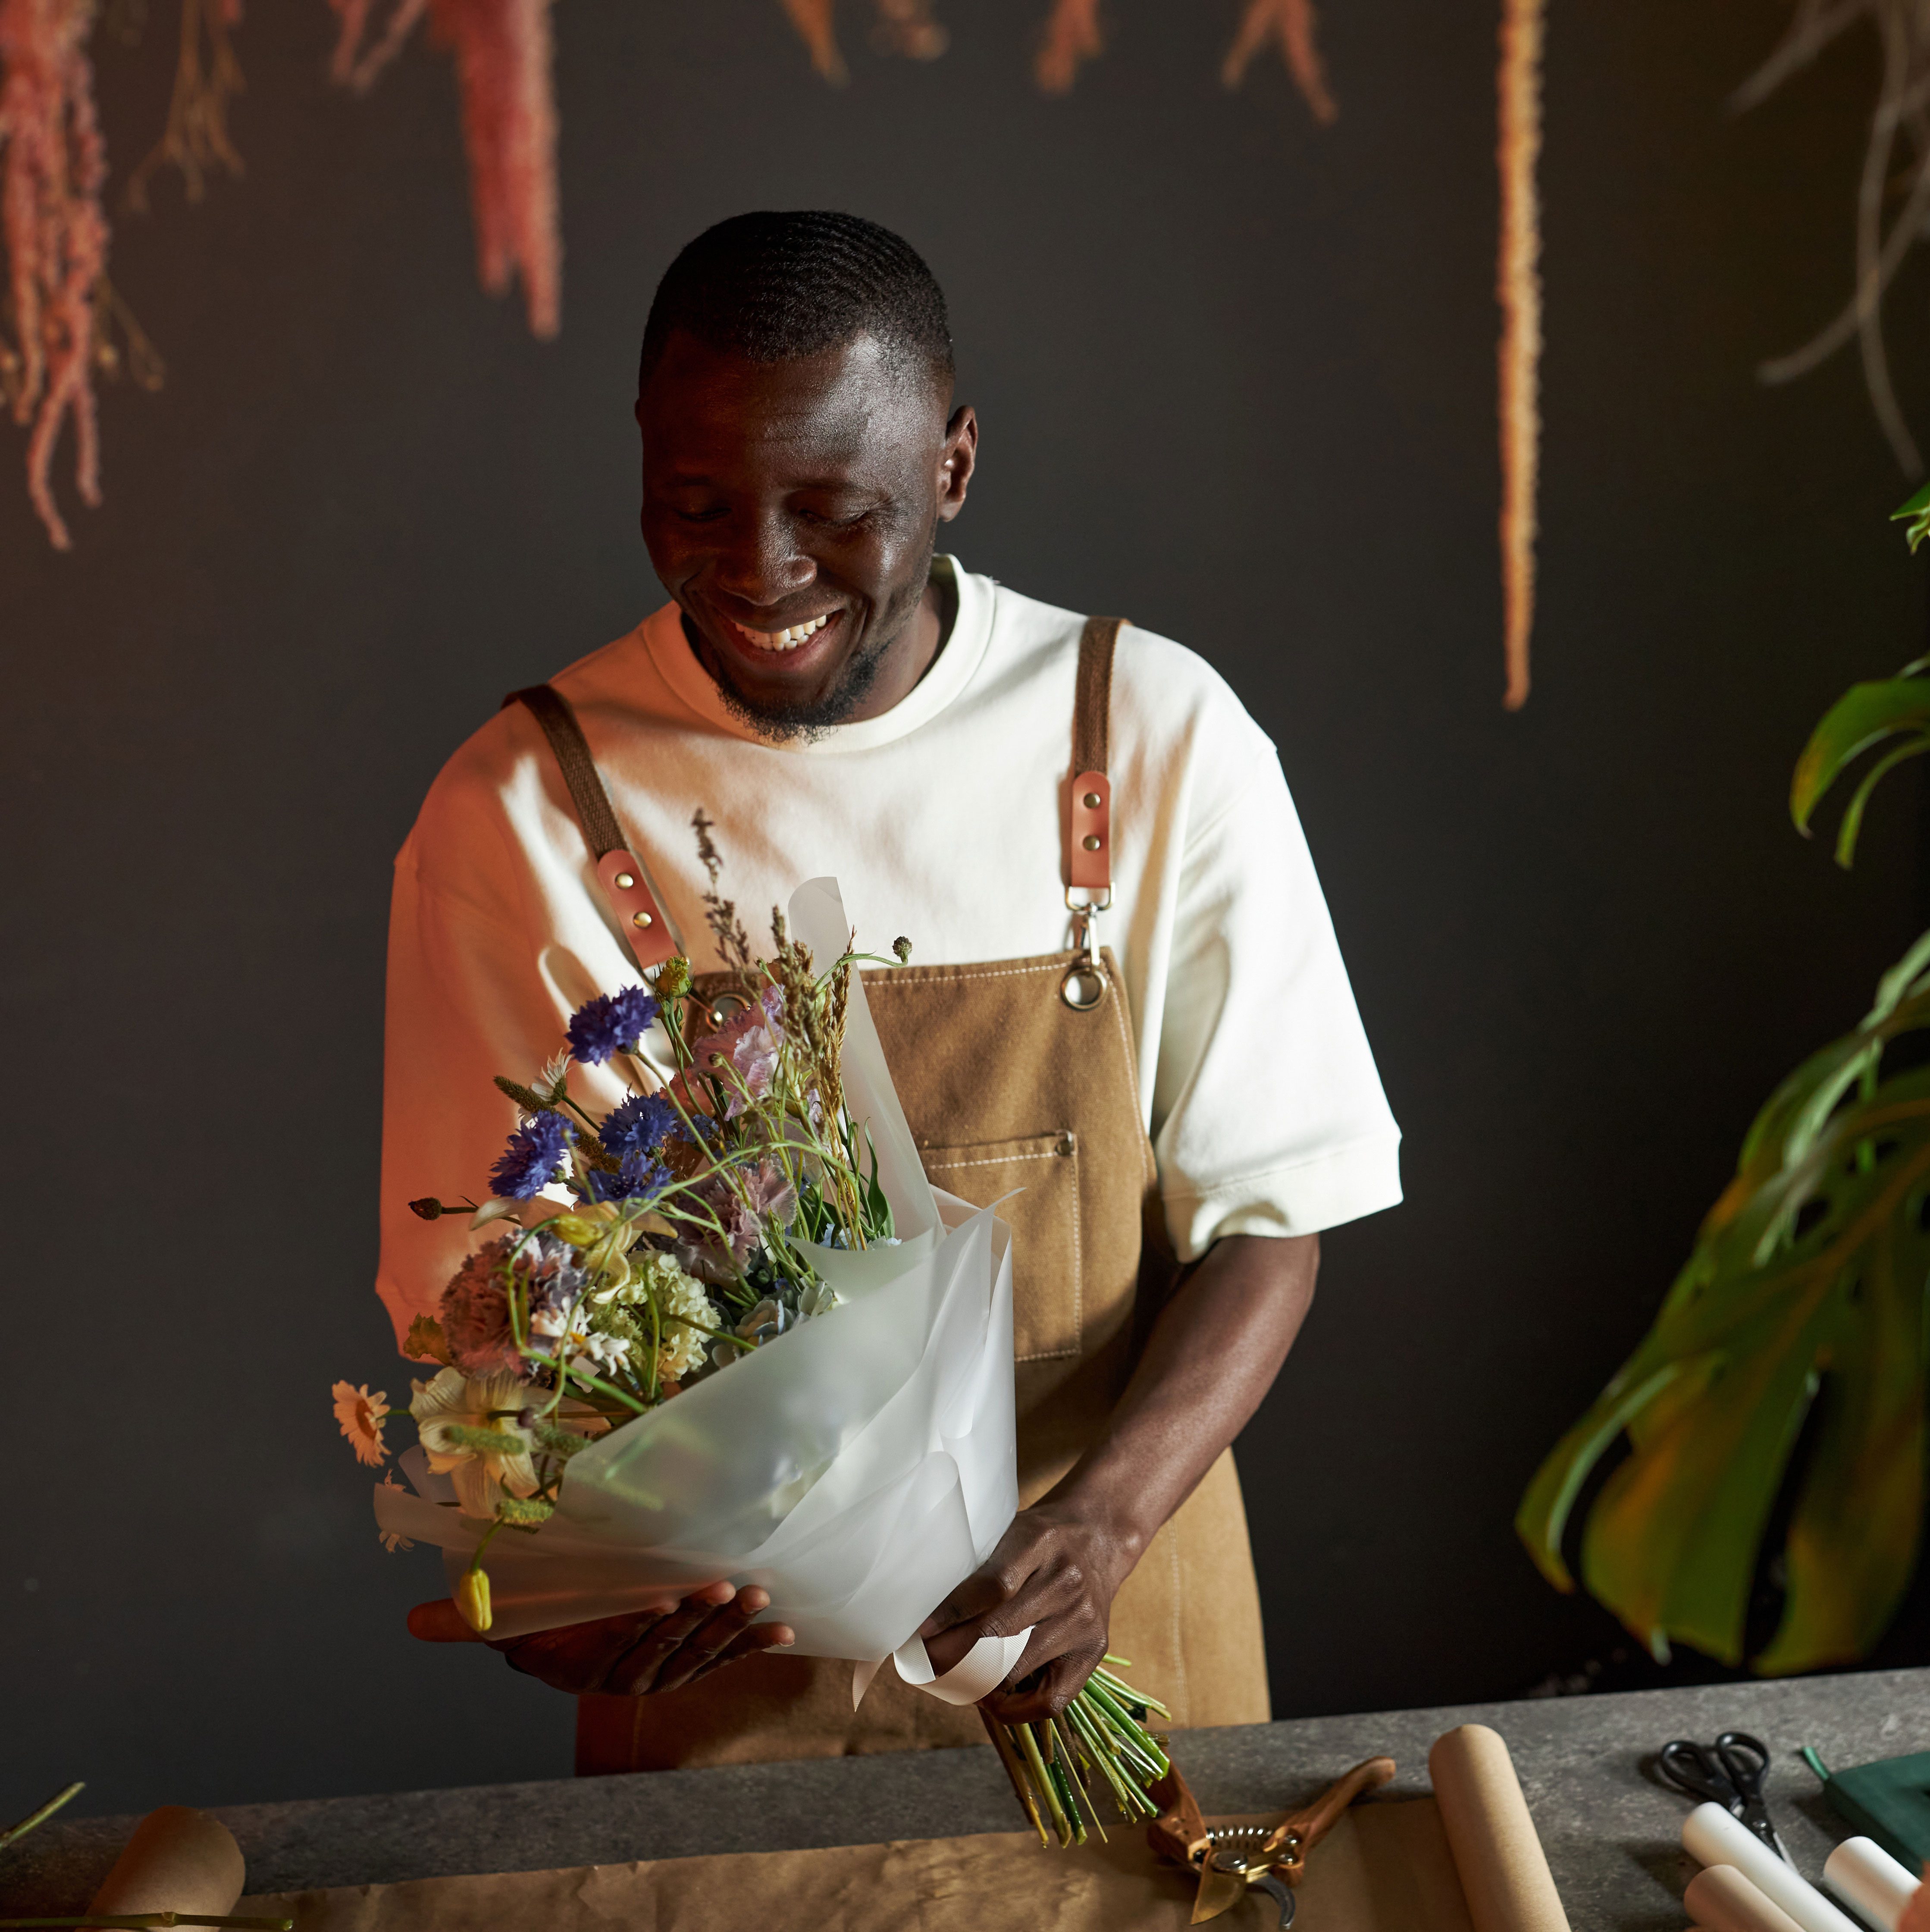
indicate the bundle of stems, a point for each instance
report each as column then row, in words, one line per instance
column 1101, row 1744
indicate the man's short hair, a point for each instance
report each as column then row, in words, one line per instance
column 778, row 284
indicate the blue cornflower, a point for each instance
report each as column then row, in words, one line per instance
column 641, row 1180
column 610, row 1023
column 639, row 1124
column 533, row 1158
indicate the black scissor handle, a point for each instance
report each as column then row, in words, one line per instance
column 1698, row 1771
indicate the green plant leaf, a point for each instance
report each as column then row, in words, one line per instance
column 1916, row 514
column 1806, row 1291
column 1864, row 716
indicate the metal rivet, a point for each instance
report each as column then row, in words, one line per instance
column 1066, row 1144
column 642, row 918
column 1093, row 801
column 625, row 880
column 1092, row 841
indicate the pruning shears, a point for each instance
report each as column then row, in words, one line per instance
column 1231, row 1859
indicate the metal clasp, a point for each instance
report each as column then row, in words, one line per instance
column 1084, row 984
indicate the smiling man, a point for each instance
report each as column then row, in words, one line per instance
column 1184, row 1094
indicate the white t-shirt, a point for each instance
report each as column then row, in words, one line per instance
column 940, row 821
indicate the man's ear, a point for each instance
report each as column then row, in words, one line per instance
column 956, row 459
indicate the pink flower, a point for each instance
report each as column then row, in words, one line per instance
column 474, row 1315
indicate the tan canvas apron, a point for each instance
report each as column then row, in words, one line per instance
column 1019, row 1074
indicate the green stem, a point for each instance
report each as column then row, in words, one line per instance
column 42, row 1813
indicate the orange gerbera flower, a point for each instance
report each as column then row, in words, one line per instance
column 360, row 1415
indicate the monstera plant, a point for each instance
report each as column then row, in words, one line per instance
column 1779, row 1397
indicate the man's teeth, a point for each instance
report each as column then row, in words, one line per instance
column 786, row 640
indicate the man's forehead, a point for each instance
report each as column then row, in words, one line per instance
column 855, row 399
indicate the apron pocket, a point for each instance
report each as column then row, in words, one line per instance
column 1047, row 1261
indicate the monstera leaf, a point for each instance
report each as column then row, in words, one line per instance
column 1804, row 1302
column 1862, row 717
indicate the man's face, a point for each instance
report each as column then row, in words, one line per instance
column 790, row 508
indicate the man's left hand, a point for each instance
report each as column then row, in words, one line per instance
column 1055, row 1570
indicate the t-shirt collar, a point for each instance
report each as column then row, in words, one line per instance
column 951, row 672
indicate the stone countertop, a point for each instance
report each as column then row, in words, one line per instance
column 1613, row 1833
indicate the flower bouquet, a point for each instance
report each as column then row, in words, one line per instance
column 612, row 1427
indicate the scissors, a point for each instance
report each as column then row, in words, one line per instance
column 1228, row 1858
column 1728, row 1773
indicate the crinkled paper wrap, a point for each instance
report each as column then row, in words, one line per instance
column 858, row 1469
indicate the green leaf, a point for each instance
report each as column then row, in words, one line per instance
column 1806, row 1291
column 1916, row 514
column 1864, row 715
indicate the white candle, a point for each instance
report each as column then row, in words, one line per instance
column 1864, row 1876
column 1715, row 1837
column 1723, row 1900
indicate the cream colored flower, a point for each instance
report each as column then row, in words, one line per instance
column 392, row 1539
column 360, row 1415
column 680, row 1301
column 454, row 1404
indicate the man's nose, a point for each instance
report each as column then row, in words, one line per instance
column 763, row 562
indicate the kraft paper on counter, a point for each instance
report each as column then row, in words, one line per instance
column 1386, row 1867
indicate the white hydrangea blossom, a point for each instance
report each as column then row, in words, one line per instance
column 680, row 1300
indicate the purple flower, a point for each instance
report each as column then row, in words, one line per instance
column 641, row 1123
column 533, row 1158
column 610, row 1023
column 641, row 1179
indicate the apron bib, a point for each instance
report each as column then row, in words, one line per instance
column 1017, row 1074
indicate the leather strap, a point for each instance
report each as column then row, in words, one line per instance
column 618, row 871
column 1089, row 851
column 551, row 709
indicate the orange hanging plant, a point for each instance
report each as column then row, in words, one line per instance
column 504, row 68
column 53, row 165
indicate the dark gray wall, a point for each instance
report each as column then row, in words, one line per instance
column 1235, row 377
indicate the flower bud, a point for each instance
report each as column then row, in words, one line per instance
column 472, row 1600
column 429, row 1208
column 902, row 948
column 673, row 977
column 574, row 1229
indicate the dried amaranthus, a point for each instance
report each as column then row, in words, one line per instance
column 1291, row 22
column 1518, row 288
column 53, row 165
column 505, row 60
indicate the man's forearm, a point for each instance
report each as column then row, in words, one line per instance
column 1212, row 1356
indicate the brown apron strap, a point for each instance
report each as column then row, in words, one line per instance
column 551, row 709
column 621, row 875
column 1089, row 855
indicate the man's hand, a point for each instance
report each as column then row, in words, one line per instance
column 1055, row 1570
column 1211, row 1355
column 630, row 1656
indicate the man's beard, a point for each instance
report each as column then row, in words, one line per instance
column 805, row 719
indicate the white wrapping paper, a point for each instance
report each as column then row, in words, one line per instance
column 859, row 1467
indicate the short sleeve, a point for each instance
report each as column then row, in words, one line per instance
column 1268, row 1114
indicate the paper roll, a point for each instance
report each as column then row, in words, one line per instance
column 1867, row 1879
column 1723, row 1900
column 179, row 1860
column 1504, row 1872
column 1714, row 1837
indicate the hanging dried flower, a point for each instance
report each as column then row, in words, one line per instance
column 1070, row 38
column 818, row 32
column 909, row 28
column 1291, row 22
column 1518, row 288
column 53, row 166
column 1903, row 27
column 505, row 63
column 207, row 76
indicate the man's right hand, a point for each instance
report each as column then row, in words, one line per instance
column 628, row 1656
